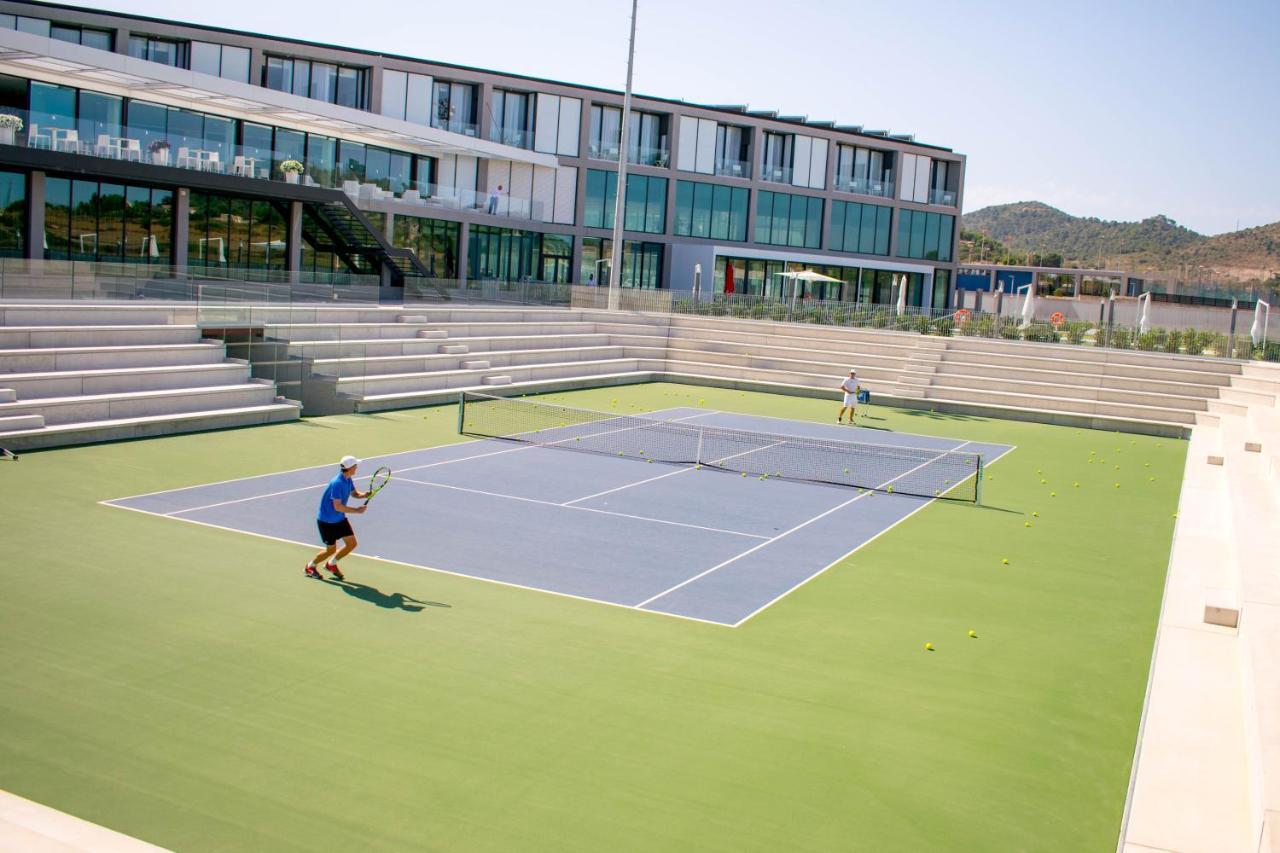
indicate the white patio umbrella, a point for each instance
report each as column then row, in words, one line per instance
column 805, row 275
column 1029, row 305
column 901, row 281
column 1144, row 308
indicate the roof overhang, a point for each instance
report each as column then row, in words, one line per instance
column 63, row 63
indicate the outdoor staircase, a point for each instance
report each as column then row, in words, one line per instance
column 921, row 367
column 77, row 374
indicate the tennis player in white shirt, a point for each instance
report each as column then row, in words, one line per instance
column 850, row 388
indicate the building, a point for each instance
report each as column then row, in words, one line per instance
column 153, row 142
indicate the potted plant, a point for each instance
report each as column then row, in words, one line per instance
column 291, row 169
column 159, row 150
column 9, row 125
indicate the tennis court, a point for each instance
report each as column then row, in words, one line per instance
column 699, row 514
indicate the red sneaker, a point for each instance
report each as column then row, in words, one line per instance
column 332, row 568
column 312, row 572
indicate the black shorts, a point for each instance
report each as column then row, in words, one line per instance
column 332, row 531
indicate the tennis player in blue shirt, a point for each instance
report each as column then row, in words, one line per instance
column 332, row 519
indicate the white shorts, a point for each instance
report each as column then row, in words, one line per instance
column 850, row 399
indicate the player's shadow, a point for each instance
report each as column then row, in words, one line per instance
column 378, row 598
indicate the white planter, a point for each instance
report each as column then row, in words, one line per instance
column 291, row 177
column 7, row 135
column 160, row 158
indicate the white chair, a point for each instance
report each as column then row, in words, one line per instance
column 243, row 166
column 103, row 147
column 351, row 188
column 65, row 139
column 184, row 158
column 131, row 149
column 210, row 161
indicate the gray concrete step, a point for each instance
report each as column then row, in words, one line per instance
column 22, row 337
column 276, row 410
column 70, row 383
column 102, row 407
column 45, row 359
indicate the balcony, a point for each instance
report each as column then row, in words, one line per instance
column 659, row 157
column 943, row 197
column 733, row 168
column 881, row 188
column 775, row 174
column 603, row 151
column 210, row 157
column 515, row 137
column 454, row 126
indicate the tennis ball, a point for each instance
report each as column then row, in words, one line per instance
column 936, row 493
column 928, row 647
column 846, row 470
column 1043, row 482
column 744, row 473
column 697, row 467
column 650, row 461
column 973, row 633
column 1005, row 561
column 1146, row 464
column 1117, row 485
column 1090, row 461
column 1035, row 514
column 1039, row 472
column 1077, row 485
column 1026, row 524
column 1053, row 494
column 701, row 402
column 1103, row 461
column 1117, row 467
column 891, row 490
column 1151, row 480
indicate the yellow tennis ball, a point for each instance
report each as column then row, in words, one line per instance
column 697, row 467
column 650, row 461
column 1146, row 464
column 1053, row 494
column 891, row 490
column 1077, row 485
column 1039, row 471
column 928, row 647
column 1035, row 514
column 1005, row 561
column 1117, row 485
column 973, row 633
column 744, row 473
column 1151, row 479
column 701, row 402
column 1117, row 467
column 1042, row 482
column 1026, row 524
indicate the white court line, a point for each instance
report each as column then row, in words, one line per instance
column 683, row 470
column 582, row 508
column 785, row 533
column 391, row 562
column 856, row 549
column 176, row 512
column 874, row 433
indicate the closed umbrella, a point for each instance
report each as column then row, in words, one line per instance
column 1144, row 321
column 1258, row 331
column 1029, row 305
column 902, row 293
column 728, row 278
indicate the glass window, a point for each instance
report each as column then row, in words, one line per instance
column 13, row 208
column 931, row 236
column 100, row 116
column 322, row 159
column 255, row 142
column 351, row 157
column 35, row 26
column 917, row 235
column 418, row 100
column 9, row 22
column 655, row 219
column 945, row 235
column 601, row 199
column 279, row 74
column 764, row 217
column 57, row 218
column 378, row 167
column 290, row 145
column 349, row 91
column 324, row 81
column 67, row 34
column 395, row 85
column 839, row 239
column 235, row 63
column 97, row 39
column 220, row 137
column 684, row 208
column 206, row 58
column 702, row 200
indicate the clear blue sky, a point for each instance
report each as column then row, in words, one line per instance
column 1116, row 109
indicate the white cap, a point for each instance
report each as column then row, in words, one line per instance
column 851, row 370
column 349, row 462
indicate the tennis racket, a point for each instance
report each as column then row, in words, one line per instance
column 379, row 479
column 7, row 455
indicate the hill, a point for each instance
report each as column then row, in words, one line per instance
column 1033, row 231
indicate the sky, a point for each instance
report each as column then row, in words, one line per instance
column 1120, row 110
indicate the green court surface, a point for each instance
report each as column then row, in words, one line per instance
column 189, row 686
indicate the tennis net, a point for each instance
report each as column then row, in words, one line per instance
column 951, row 474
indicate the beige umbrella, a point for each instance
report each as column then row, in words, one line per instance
column 805, row 275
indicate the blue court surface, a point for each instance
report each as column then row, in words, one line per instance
column 673, row 539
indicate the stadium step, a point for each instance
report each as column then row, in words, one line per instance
column 104, row 357
column 20, row 423
column 454, row 349
column 496, row 380
column 475, row 365
column 65, row 383
column 30, row 337
column 101, row 407
column 277, row 410
column 433, row 334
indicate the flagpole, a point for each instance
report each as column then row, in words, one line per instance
column 619, row 205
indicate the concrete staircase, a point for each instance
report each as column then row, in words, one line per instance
column 1207, row 775
column 75, row 374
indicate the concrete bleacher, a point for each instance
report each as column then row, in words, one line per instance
column 73, row 374
column 379, row 358
column 1207, row 771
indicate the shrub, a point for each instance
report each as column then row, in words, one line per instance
column 985, row 327
column 1172, row 341
column 1042, row 332
column 1149, row 341
column 1121, row 338
column 1008, row 329
column 945, row 327
column 922, row 325
column 1192, row 341
column 1215, row 341
column 1244, row 347
column 1076, row 332
column 777, row 311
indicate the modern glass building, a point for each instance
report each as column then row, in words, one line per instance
column 137, row 140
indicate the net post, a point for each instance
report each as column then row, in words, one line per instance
column 462, row 408
column 977, row 484
column 697, row 455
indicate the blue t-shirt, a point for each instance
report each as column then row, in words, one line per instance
column 340, row 487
